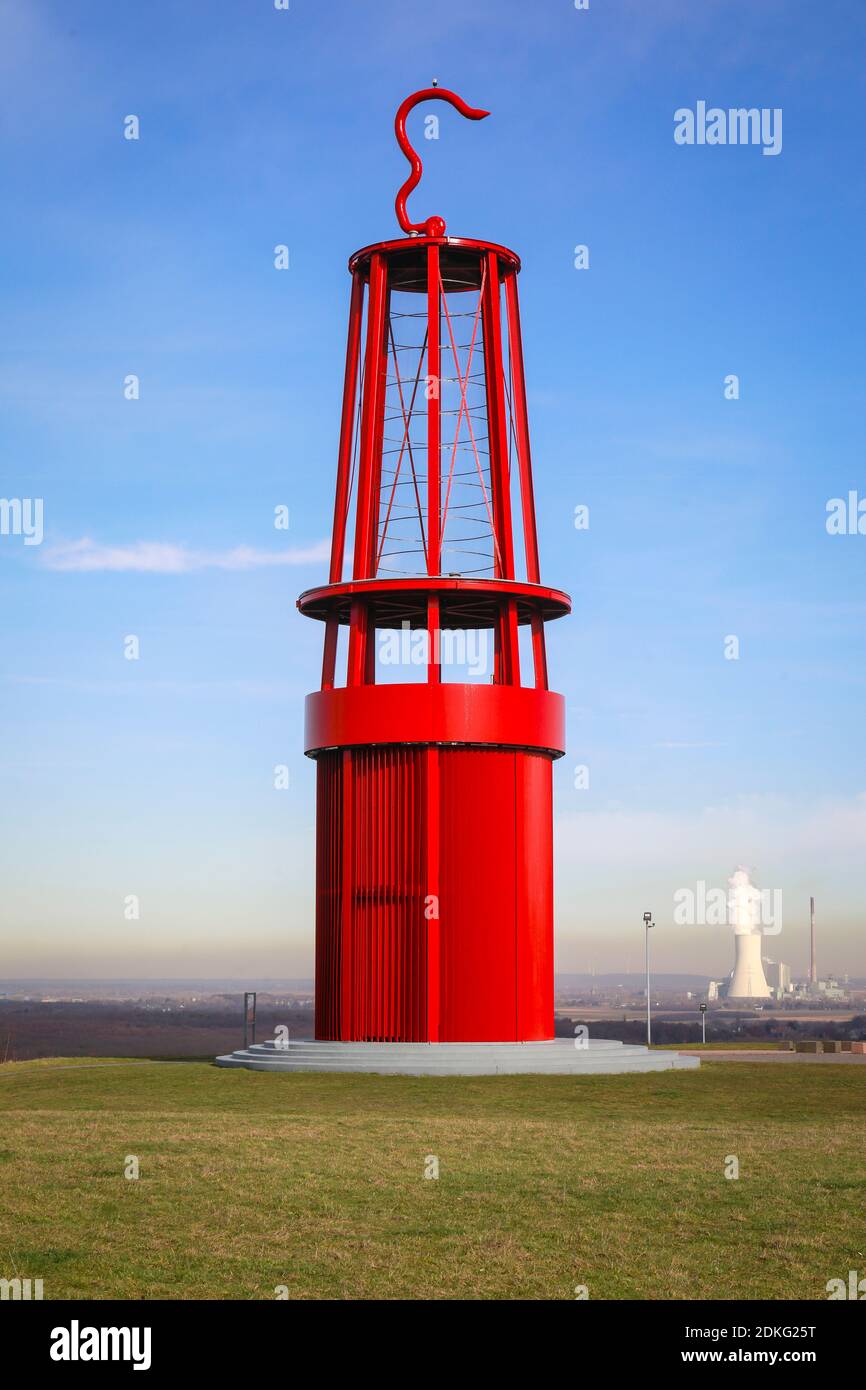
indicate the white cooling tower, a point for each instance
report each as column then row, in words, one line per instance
column 744, row 911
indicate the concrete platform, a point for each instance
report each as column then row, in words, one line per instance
column 557, row 1057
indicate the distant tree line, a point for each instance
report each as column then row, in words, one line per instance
column 719, row 1028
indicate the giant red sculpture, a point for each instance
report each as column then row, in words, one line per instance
column 434, row 862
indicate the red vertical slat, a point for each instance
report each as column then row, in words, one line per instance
column 431, row 832
column 434, row 369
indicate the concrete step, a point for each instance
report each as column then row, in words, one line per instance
column 549, row 1046
column 556, row 1057
column 451, row 1048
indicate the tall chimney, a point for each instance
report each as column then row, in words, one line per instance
column 813, row 970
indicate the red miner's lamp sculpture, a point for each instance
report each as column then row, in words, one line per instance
column 434, row 861
column 434, row 872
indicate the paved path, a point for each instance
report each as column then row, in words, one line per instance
column 742, row 1055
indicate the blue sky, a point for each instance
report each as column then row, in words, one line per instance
column 707, row 516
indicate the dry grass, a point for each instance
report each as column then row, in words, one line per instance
column 250, row 1181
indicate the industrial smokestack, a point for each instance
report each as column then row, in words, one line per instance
column 813, row 969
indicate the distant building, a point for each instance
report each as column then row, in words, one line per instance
column 822, row 990
column 831, row 989
column 778, row 977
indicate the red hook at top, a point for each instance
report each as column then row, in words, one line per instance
column 434, row 226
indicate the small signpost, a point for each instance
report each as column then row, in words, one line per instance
column 648, row 922
column 249, row 1018
column 703, row 1023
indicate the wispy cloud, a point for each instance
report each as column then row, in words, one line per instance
column 681, row 743
column 782, row 834
column 277, row 690
column 164, row 557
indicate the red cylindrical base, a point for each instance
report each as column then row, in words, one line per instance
column 434, row 917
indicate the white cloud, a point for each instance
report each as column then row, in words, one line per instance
column 678, row 743
column 164, row 557
column 758, row 829
column 611, row 865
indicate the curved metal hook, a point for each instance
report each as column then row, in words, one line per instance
column 433, row 226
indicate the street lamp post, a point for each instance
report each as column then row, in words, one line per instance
column 703, row 1023
column 648, row 922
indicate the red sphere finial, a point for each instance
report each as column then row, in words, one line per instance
column 433, row 226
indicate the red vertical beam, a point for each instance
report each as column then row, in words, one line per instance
column 521, row 429
column 336, row 866
column 414, row 927
column 432, row 923
column 411, row 926
column 369, row 467
column 519, row 801
column 434, row 458
column 392, row 890
column 360, row 903
column 497, row 652
column 539, row 651
column 379, row 436
column 347, row 886
column 434, row 653
column 376, row 810
column 370, row 649
column 496, row 423
column 356, row 673
column 344, row 457
column 510, row 643
column 370, row 410
column 375, row 486
column 524, row 459
column 322, row 940
column 363, row 914
column 347, row 424
column 497, row 431
column 385, row 808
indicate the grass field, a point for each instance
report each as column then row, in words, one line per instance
column 732, row 1046
column 250, row 1181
